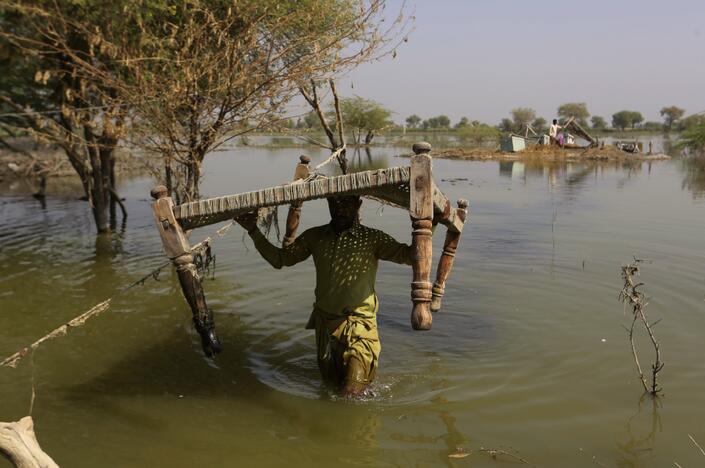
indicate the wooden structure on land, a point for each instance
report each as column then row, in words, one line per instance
column 409, row 187
column 578, row 130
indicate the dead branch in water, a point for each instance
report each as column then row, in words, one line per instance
column 18, row 443
column 630, row 294
column 697, row 444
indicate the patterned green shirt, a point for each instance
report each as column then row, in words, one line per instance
column 346, row 265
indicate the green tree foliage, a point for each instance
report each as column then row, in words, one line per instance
column 463, row 122
column 540, row 125
column 625, row 118
column 577, row 110
column 522, row 116
column 506, row 125
column 364, row 116
column 311, row 121
column 479, row 134
column 670, row 115
column 440, row 121
column 652, row 126
column 693, row 138
column 413, row 121
column 691, row 121
column 598, row 123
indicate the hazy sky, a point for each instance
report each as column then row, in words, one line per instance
column 482, row 58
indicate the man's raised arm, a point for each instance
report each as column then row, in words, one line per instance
column 392, row 251
column 297, row 252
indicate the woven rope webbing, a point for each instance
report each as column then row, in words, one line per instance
column 387, row 184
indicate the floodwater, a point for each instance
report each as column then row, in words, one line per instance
column 527, row 357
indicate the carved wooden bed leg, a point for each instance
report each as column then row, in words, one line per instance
column 177, row 249
column 294, row 215
column 292, row 223
column 446, row 262
column 421, row 212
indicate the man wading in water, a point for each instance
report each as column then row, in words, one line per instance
column 346, row 255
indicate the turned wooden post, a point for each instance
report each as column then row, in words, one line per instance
column 446, row 262
column 294, row 216
column 177, row 248
column 421, row 212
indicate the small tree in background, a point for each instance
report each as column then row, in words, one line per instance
column 670, row 115
column 598, row 123
column 625, row 118
column 479, row 134
column 577, row 110
column 413, row 121
column 440, row 121
column 364, row 116
column 539, row 125
column 463, row 122
column 506, row 125
column 522, row 116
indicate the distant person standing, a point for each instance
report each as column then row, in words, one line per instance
column 556, row 138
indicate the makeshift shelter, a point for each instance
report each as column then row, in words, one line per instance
column 572, row 125
column 409, row 187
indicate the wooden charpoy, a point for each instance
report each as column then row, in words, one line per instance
column 409, row 187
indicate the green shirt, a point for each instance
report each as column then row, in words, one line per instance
column 346, row 265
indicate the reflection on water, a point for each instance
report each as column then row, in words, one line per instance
column 694, row 178
column 527, row 353
column 641, row 429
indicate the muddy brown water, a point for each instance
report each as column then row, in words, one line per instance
column 528, row 355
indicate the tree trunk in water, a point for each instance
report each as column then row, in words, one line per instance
column 368, row 138
column 98, row 199
column 101, row 183
column 191, row 189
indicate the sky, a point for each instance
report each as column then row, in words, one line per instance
column 482, row 58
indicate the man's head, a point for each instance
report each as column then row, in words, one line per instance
column 344, row 211
column 555, row 121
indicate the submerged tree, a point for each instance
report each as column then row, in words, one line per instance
column 45, row 94
column 195, row 74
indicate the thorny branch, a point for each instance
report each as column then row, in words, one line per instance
column 631, row 295
column 205, row 263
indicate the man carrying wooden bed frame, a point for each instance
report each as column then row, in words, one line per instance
column 345, row 253
column 344, row 316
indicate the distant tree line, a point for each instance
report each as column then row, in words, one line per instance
column 521, row 117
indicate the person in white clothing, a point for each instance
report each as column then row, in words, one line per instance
column 556, row 138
